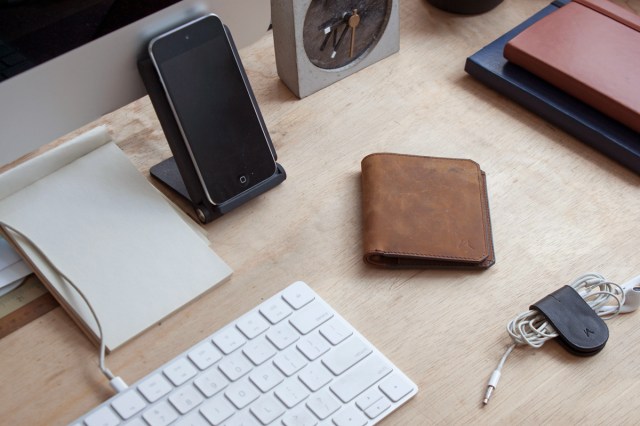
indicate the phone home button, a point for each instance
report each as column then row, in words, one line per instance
column 244, row 180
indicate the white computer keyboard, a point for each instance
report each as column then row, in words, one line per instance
column 292, row 360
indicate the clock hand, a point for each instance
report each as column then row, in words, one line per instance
column 326, row 39
column 330, row 27
column 350, row 21
column 337, row 43
column 354, row 21
column 327, row 26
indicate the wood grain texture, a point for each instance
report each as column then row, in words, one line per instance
column 558, row 209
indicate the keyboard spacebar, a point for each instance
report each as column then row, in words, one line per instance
column 360, row 377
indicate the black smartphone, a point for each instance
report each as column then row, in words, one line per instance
column 214, row 107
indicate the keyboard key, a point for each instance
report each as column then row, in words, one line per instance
column 267, row 409
column 252, row 325
column 217, row 410
column 323, row 404
column 291, row 393
column 259, row 350
column 128, row 404
column 204, row 355
column 359, row 378
column 235, row 366
column 395, row 387
column 377, row 408
column 275, row 310
column 179, row 371
column 155, row 387
column 266, row 377
column 368, row 397
column 300, row 416
column 290, row 361
column 310, row 317
column 160, row 414
column 228, row 339
column 346, row 355
column 192, row 419
column 349, row 416
column 186, row 398
column 282, row 335
column 313, row 346
column 297, row 295
column 211, row 382
column 335, row 331
column 242, row 393
column 102, row 417
column 242, row 419
column 315, row 376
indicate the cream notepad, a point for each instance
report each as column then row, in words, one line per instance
column 111, row 232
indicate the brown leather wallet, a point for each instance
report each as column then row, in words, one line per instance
column 425, row 212
column 589, row 49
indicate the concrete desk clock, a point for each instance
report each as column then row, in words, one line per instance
column 319, row 42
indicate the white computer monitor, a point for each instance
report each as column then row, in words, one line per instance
column 100, row 76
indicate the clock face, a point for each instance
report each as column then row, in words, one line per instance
column 338, row 32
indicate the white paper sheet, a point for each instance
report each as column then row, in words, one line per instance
column 103, row 224
column 12, row 269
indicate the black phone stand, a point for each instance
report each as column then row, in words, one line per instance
column 178, row 172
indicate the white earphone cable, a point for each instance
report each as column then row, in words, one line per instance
column 531, row 328
column 116, row 382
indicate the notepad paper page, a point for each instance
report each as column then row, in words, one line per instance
column 103, row 224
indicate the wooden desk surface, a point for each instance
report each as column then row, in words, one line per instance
column 558, row 209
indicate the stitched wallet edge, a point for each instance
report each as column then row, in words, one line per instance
column 394, row 260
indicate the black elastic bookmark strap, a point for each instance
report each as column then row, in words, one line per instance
column 580, row 330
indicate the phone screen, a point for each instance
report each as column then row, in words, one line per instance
column 212, row 104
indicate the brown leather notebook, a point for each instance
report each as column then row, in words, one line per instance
column 589, row 49
column 425, row 212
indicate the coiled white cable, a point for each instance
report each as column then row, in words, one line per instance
column 116, row 382
column 531, row 328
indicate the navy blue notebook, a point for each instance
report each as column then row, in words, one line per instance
column 613, row 139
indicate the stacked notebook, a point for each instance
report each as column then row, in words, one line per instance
column 589, row 49
column 576, row 65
